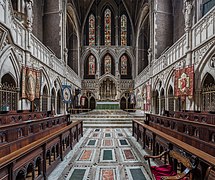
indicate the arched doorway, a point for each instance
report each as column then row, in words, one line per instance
column 156, row 101
column 92, row 103
column 162, row 100
column 59, row 98
column 170, row 99
column 20, row 175
column 53, row 99
column 8, row 93
column 123, row 103
column 45, row 99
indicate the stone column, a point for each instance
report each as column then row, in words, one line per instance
column 116, row 31
column 98, row 39
column 188, row 23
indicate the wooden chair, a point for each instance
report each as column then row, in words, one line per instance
column 167, row 171
column 210, row 174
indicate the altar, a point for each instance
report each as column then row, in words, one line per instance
column 107, row 105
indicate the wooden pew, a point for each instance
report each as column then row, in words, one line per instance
column 210, row 174
column 158, row 172
column 141, row 131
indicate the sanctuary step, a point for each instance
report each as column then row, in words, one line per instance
column 106, row 118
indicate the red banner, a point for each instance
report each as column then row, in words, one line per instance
column 184, row 81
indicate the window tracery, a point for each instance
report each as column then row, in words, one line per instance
column 123, row 30
column 92, row 30
column 107, row 64
column 107, row 26
column 91, row 65
column 124, row 65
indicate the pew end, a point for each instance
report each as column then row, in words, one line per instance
column 167, row 171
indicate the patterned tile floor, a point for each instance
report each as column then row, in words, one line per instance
column 104, row 154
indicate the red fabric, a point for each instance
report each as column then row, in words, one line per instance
column 165, row 170
column 184, row 81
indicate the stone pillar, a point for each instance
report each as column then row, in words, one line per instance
column 116, row 31
column 98, row 39
column 52, row 30
column 29, row 14
column 188, row 23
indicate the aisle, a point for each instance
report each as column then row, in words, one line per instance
column 107, row 154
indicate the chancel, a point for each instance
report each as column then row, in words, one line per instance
column 107, row 89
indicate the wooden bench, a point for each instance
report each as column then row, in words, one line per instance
column 169, row 171
column 210, row 174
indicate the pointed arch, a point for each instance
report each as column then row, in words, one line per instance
column 125, row 67
column 90, row 67
column 108, row 65
column 170, row 98
column 92, row 30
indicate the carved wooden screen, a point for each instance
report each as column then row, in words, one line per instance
column 92, row 39
column 107, row 64
column 123, row 30
column 124, row 65
column 91, row 65
column 107, row 27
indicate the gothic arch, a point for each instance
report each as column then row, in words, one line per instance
column 73, row 37
column 169, row 80
column 202, row 68
column 103, row 6
column 86, row 67
column 10, row 64
column 45, row 79
column 113, row 65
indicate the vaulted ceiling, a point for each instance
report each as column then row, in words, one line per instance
column 133, row 7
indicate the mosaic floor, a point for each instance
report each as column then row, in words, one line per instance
column 104, row 154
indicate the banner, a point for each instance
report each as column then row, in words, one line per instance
column 66, row 94
column 30, row 83
column 184, row 82
column 148, row 94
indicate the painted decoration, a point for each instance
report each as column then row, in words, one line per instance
column 123, row 30
column 66, row 93
column 92, row 39
column 107, row 24
column 184, row 81
column 124, row 65
column 30, row 83
column 91, row 65
column 107, row 64
column 132, row 98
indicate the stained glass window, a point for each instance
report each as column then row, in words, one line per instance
column 92, row 30
column 107, row 27
column 123, row 30
column 124, row 62
column 107, row 64
column 91, row 66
